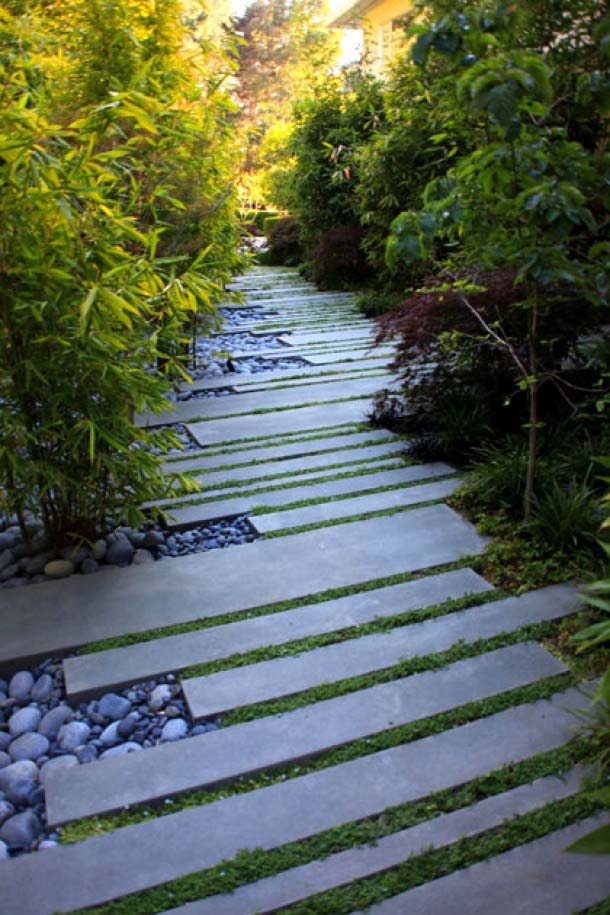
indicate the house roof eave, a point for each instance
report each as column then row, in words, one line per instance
column 350, row 15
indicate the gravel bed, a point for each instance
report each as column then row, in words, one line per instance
column 233, row 317
column 40, row 731
column 21, row 564
column 206, row 346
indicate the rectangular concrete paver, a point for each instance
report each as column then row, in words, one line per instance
column 233, row 503
column 345, row 508
column 267, row 400
column 252, row 454
column 92, row 673
column 328, row 358
column 229, row 689
column 534, row 879
column 301, row 883
column 331, row 336
column 245, row 381
column 237, row 428
column 147, row 854
column 312, row 463
column 58, row 616
column 248, row 748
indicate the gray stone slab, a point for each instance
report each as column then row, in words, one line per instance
column 277, row 376
column 341, row 352
column 535, row 878
column 358, row 505
column 57, row 616
column 385, row 352
column 245, row 749
column 90, row 674
column 340, row 444
column 331, row 336
column 267, row 299
column 300, row 883
column 313, row 463
column 322, row 392
column 261, row 425
column 236, row 504
column 147, row 854
column 231, row 689
column 311, row 377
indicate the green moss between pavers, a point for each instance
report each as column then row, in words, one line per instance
column 282, row 438
column 393, row 464
column 407, row 668
column 295, row 474
column 265, row 410
column 250, row 866
column 437, row 863
column 379, row 625
column 601, row 908
column 135, row 638
column 365, row 746
column 265, row 460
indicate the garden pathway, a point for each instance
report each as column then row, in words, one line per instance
column 394, row 733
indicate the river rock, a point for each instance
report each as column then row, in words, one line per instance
column 113, row 706
column 73, row 735
column 59, row 568
column 28, row 746
column 20, row 687
column 175, row 729
column 20, row 830
column 42, row 689
column 24, row 720
column 54, row 720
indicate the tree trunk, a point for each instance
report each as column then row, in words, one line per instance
column 533, row 415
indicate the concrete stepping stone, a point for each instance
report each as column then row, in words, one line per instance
column 233, row 503
column 535, row 878
column 313, row 379
column 340, row 352
column 230, row 689
column 300, row 883
column 328, row 358
column 55, row 617
column 243, row 382
column 313, row 463
column 267, row 400
column 330, row 336
column 238, row 428
column 340, row 444
column 245, row 749
column 89, row 674
column 359, row 505
column 153, row 852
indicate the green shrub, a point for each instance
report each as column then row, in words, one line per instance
column 338, row 260
column 566, row 517
column 101, row 255
column 499, row 474
column 269, row 223
column 284, row 242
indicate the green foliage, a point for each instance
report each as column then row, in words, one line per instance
column 566, row 516
column 320, row 188
column 285, row 53
column 284, row 242
column 107, row 255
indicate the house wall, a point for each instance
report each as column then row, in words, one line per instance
column 382, row 37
